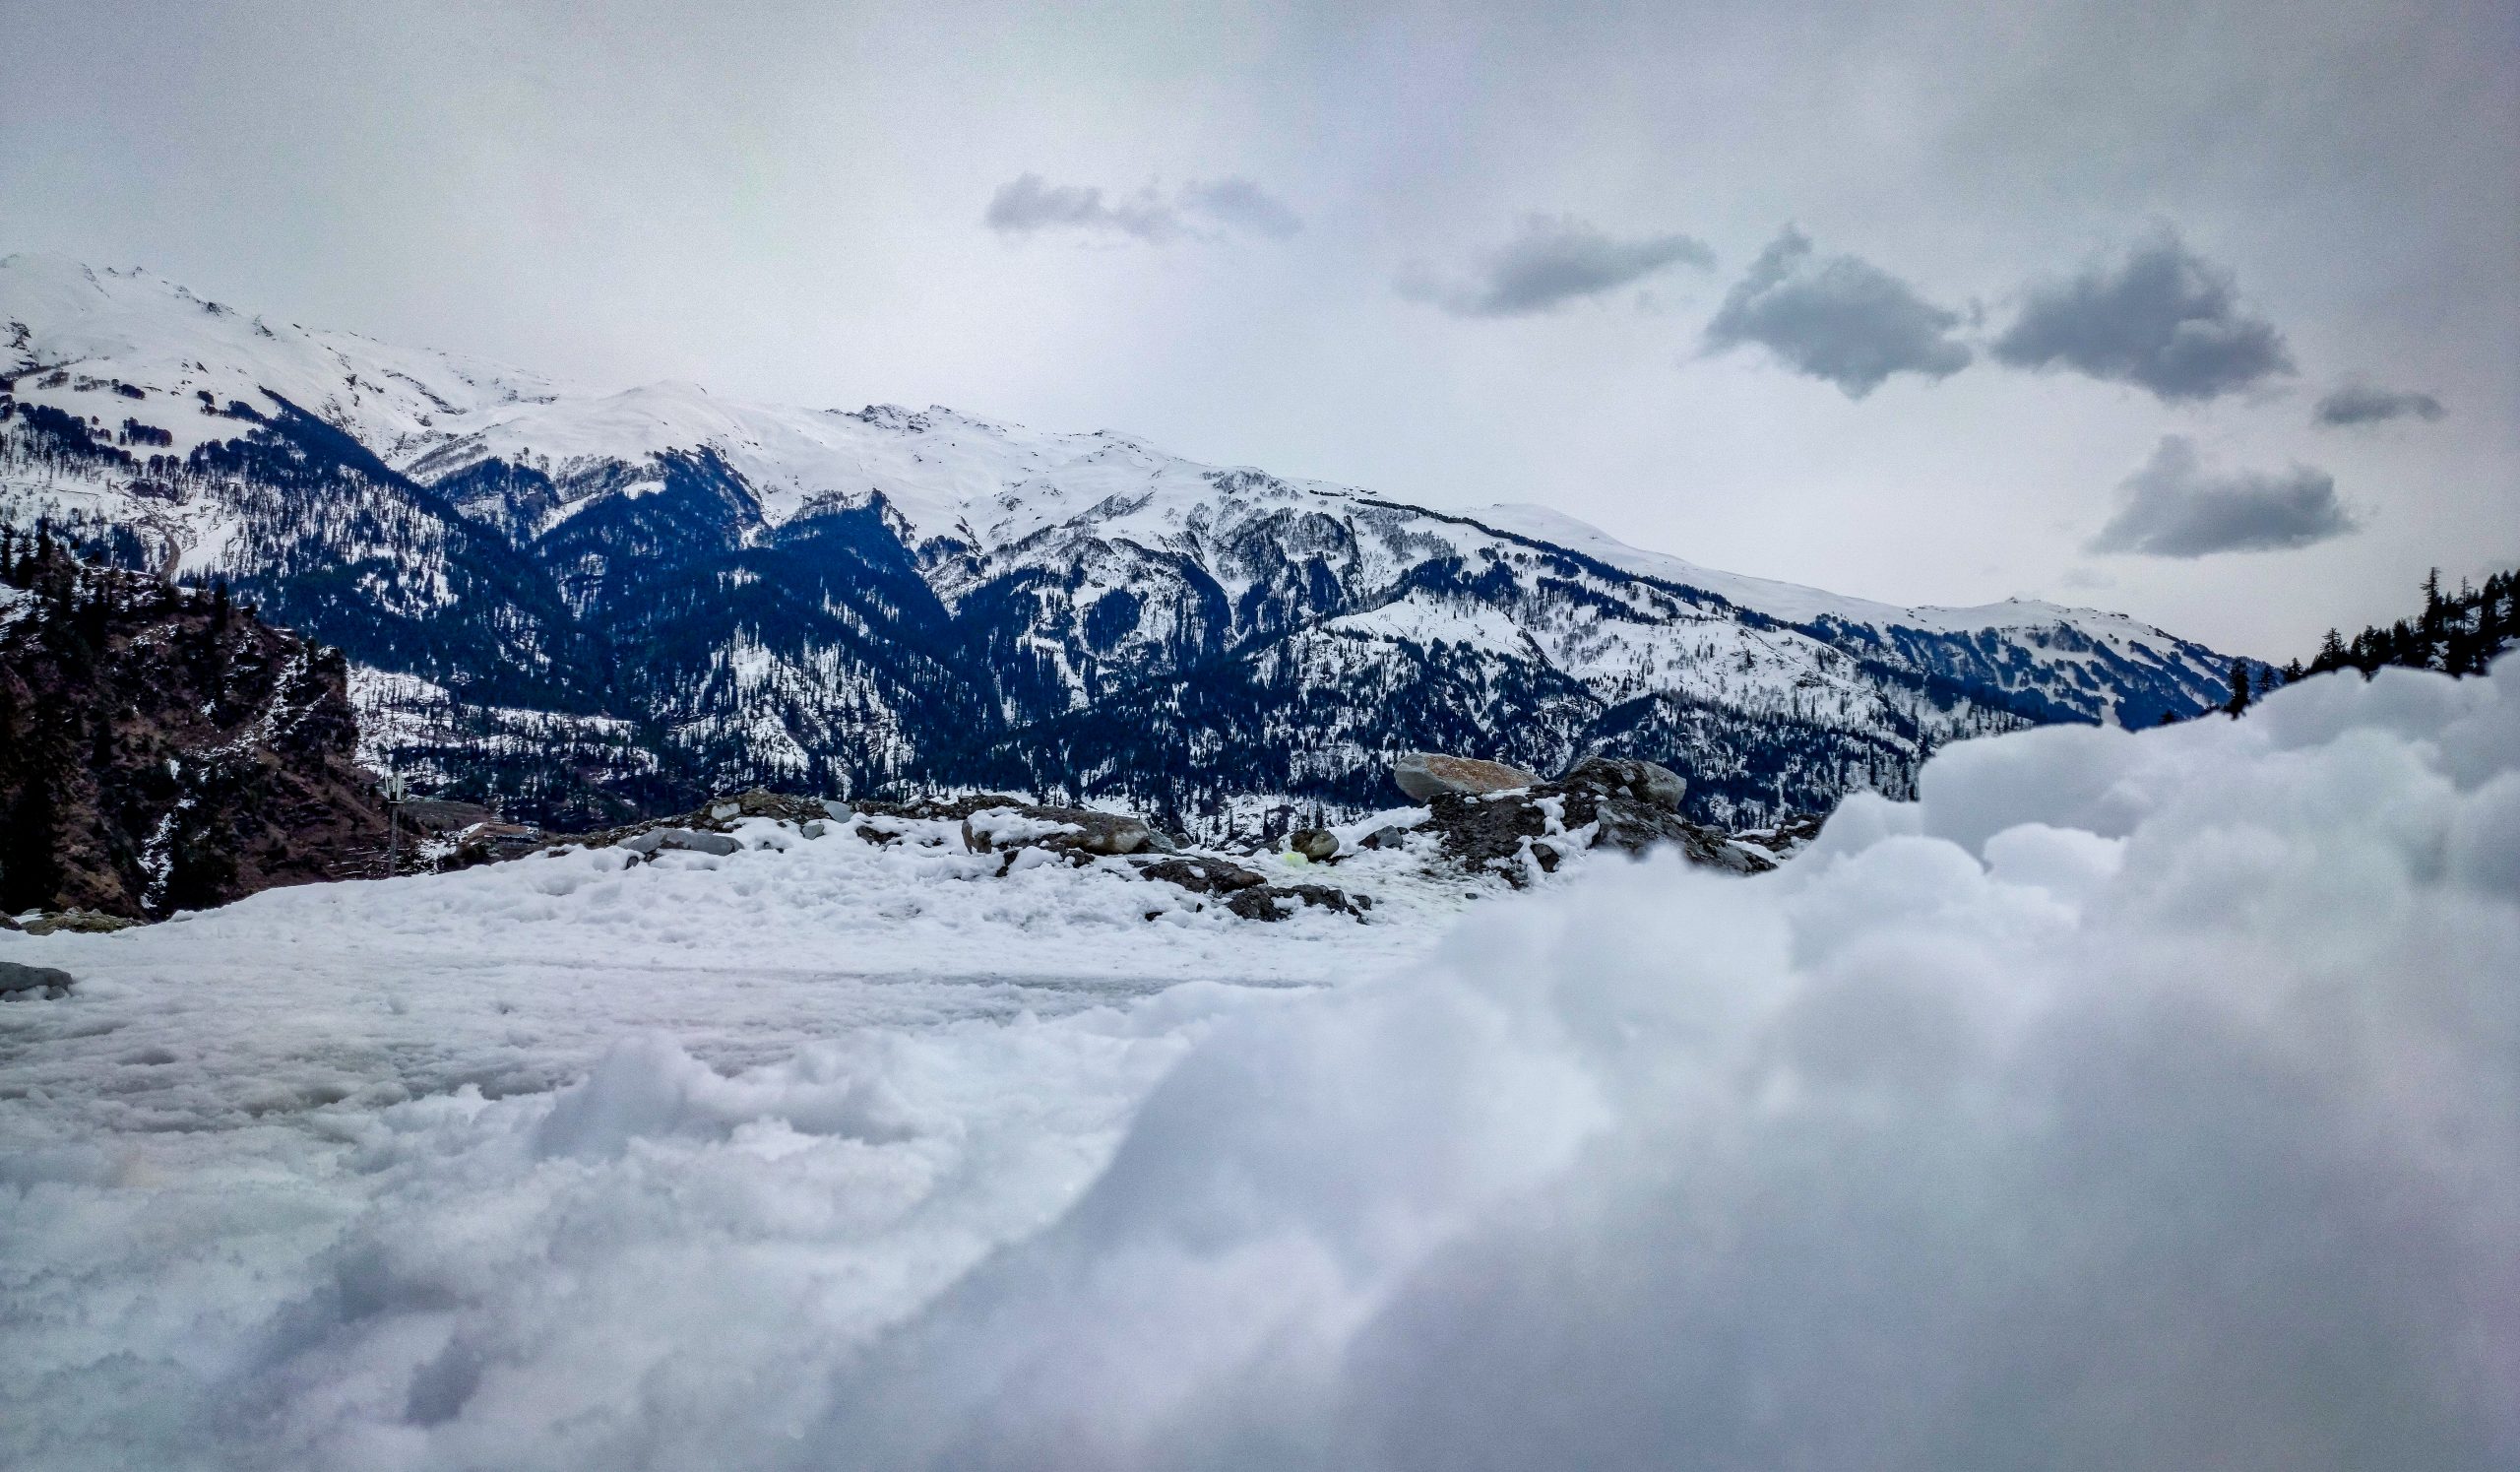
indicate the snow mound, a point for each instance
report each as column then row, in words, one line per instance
column 2130, row 1099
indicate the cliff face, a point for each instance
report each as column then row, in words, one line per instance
column 162, row 750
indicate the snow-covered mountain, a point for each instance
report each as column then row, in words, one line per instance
column 575, row 599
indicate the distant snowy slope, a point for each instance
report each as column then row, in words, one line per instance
column 109, row 332
column 853, row 599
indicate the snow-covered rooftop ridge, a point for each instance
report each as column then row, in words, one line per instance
column 948, row 475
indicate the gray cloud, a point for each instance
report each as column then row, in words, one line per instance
column 1239, row 204
column 2160, row 317
column 2354, row 404
column 2173, row 507
column 1836, row 317
column 1552, row 261
column 1200, row 210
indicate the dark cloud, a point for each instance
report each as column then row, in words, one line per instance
column 1028, row 205
column 2173, row 507
column 2359, row 404
column 1836, row 317
column 2159, row 316
column 1554, row 260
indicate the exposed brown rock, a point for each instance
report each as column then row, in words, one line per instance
column 162, row 750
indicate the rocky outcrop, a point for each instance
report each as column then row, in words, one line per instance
column 1649, row 783
column 1425, row 775
column 162, row 750
column 703, row 830
column 1602, row 803
column 1080, row 830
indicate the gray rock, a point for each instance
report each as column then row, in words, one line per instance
column 691, row 840
column 1201, row 874
column 1314, row 844
column 1424, row 774
column 1086, row 831
column 1645, row 782
column 17, row 981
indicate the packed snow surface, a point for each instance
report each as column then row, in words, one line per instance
column 2130, row 1100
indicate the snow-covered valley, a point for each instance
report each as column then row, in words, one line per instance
column 2124, row 1094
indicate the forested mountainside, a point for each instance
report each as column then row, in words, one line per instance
column 582, row 605
column 162, row 750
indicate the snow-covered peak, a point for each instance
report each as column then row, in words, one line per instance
column 103, row 344
column 87, row 341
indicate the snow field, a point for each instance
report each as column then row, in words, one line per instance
column 2128, row 1100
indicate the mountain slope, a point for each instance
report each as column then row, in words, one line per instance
column 696, row 590
column 162, row 749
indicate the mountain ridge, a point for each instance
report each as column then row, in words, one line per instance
column 880, row 596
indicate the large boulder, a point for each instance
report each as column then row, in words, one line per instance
column 1201, row 873
column 1318, row 845
column 1074, row 830
column 1425, row 773
column 1644, row 782
column 17, row 981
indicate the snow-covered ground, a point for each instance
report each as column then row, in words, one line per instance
column 2130, row 1099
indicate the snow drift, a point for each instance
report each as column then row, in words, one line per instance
column 2128, row 1100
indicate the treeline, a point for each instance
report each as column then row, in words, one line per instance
column 2457, row 633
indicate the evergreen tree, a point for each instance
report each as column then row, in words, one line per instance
column 2239, row 689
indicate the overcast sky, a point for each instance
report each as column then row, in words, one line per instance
column 2210, row 314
